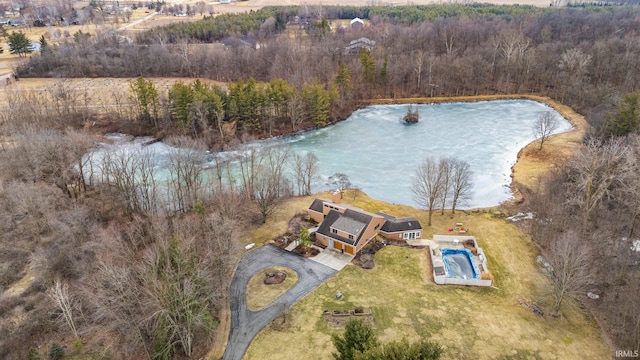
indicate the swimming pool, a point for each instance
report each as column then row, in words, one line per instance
column 459, row 264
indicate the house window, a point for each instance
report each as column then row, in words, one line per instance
column 377, row 227
column 417, row 234
column 334, row 231
column 350, row 237
column 400, row 236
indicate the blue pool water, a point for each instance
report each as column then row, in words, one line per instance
column 459, row 264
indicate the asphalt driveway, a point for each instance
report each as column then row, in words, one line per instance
column 245, row 324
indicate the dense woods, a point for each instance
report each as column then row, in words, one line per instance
column 586, row 58
column 68, row 213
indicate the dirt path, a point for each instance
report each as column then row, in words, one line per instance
column 139, row 21
column 245, row 324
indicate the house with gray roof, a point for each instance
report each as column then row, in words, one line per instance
column 348, row 229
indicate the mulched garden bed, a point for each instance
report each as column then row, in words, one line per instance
column 293, row 229
column 366, row 256
column 306, row 251
column 274, row 277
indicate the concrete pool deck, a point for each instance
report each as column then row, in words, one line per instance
column 441, row 275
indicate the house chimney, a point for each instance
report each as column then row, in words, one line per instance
column 336, row 197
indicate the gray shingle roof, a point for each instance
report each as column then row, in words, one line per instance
column 393, row 224
column 316, row 205
column 325, row 227
column 348, row 225
column 358, row 215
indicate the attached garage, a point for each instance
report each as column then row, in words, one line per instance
column 350, row 250
column 337, row 245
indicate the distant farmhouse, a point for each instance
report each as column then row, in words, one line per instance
column 348, row 229
column 357, row 45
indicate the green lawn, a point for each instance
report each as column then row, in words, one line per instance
column 471, row 323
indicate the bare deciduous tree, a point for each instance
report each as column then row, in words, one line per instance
column 570, row 260
column 544, row 127
column 447, row 173
column 49, row 156
column 159, row 281
column 66, row 303
column 594, row 172
column 340, row 181
column 461, row 183
column 427, row 184
column 178, row 291
column 574, row 63
column 130, row 173
column 250, row 162
column 270, row 183
column 186, row 159
column 305, row 169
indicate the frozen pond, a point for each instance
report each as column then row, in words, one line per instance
column 380, row 153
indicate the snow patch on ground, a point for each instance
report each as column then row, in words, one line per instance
column 521, row 216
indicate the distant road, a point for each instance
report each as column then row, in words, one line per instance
column 139, row 21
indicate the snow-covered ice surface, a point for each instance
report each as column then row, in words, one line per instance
column 380, row 153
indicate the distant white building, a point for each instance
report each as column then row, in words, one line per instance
column 356, row 23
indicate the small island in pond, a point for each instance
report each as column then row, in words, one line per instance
column 412, row 116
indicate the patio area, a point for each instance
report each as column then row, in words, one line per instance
column 447, row 270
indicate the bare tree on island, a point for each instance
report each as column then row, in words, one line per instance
column 427, row 184
column 544, row 127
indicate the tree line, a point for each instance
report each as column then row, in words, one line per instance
column 555, row 52
column 216, row 115
column 117, row 250
column 585, row 222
